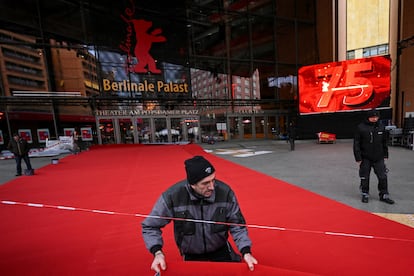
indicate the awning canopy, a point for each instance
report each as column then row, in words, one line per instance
column 43, row 116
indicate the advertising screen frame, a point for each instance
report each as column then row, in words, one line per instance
column 26, row 133
column 86, row 133
column 345, row 86
column 69, row 131
column 43, row 134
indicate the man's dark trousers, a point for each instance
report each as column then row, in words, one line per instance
column 379, row 169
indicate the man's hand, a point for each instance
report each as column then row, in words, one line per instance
column 159, row 262
column 250, row 260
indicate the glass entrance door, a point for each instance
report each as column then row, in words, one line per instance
column 144, row 130
column 260, row 127
column 126, row 129
column 247, row 127
column 193, row 130
column 107, row 131
column 176, row 130
column 161, row 130
column 235, row 128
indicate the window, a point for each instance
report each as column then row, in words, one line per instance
column 350, row 54
column 375, row 50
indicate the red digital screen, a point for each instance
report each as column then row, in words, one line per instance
column 43, row 135
column 86, row 133
column 344, row 86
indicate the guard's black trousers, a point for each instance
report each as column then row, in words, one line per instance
column 292, row 144
column 381, row 172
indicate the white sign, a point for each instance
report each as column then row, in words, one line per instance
column 221, row 126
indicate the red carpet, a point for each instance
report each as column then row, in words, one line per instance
column 294, row 232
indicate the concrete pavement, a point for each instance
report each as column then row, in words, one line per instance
column 329, row 170
column 8, row 166
column 325, row 169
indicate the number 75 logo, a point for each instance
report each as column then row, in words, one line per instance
column 348, row 85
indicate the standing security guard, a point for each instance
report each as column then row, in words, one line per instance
column 370, row 151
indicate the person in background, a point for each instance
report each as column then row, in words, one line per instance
column 199, row 197
column 292, row 135
column 76, row 147
column 370, row 151
column 20, row 149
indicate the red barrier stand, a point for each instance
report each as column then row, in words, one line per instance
column 326, row 138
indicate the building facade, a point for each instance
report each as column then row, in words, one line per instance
column 226, row 69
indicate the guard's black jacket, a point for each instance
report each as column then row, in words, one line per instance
column 370, row 141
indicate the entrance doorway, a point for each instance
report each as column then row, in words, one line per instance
column 106, row 133
column 155, row 129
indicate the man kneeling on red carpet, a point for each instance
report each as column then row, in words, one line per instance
column 192, row 204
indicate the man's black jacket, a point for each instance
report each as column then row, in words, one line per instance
column 19, row 147
column 370, row 141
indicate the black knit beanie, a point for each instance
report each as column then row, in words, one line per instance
column 373, row 113
column 197, row 168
